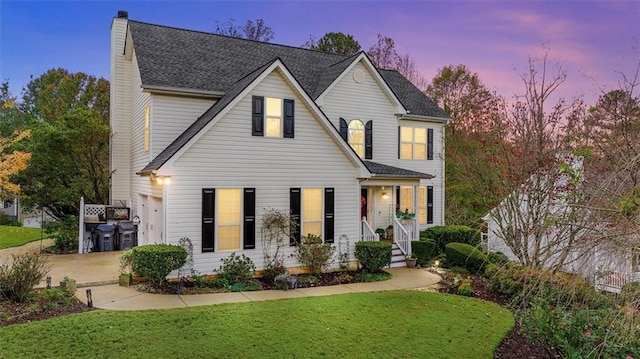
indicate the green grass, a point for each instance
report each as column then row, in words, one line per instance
column 395, row 324
column 17, row 236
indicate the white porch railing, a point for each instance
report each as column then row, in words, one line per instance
column 404, row 232
column 368, row 234
column 614, row 281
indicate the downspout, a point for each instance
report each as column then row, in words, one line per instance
column 443, row 180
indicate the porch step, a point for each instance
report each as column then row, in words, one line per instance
column 397, row 258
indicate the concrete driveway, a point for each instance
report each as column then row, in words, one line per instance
column 86, row 269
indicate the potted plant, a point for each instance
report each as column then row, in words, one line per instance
column 126, row 261
column 381, row 232
column 389, row 232
column 68, row 285
column 411, row 260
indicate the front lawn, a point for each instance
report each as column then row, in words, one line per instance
column 396, row 324
column 17, row 236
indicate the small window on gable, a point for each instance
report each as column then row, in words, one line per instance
column 146, row 128
column 274, row 117
column 356, row 137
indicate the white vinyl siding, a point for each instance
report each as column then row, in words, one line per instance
column 120, row 115
column 270, row 165
column 172, row 115
column 367, row 101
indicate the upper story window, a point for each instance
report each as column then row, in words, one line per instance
column 415, row 143
column 356, row 137
column 279, row 115
column 359, row 136
column 147, row 121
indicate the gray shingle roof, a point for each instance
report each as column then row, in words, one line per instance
column 178, row 58
column 380, row 170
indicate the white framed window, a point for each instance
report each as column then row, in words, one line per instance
column 406, row 199
column 229, row 218
column 413, row 143
column 273, row 117
column 147, row 123
column 422, row 204
column 312, row 211
column 356, row 137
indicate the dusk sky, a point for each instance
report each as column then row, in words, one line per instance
column 594, row 41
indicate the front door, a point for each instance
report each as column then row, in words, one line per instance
column 156, row 225
column 364, row 195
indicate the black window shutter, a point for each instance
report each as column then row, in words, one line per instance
column 249, row 224
column 429, row 204
column 257, row 123
column 288, row 118
column 294, row 207
column 208, row 219
column 368, row 140
column 397, row 198
column 430, row 143
column 329, row 215
column 398, row 142
column 344, row 130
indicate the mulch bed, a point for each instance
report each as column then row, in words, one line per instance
column 515, row 346
column 34, row 310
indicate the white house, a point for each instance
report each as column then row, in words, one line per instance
column 557, row 234
column 208, row 131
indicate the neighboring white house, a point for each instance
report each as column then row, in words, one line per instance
column 33, row 218
column 208, row 131
column 570, row 244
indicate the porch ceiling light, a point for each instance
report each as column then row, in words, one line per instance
column 384, row 195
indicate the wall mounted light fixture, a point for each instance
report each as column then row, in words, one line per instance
column 161, row 180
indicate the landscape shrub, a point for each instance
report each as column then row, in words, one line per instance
column 274, row 269
column 583, row 333
column 64, row 232
column 449, row 234
column 465, row 255
column 465, row 289
column 497, row 258
column 6, row 220
column 373, row 256
column 19, row 275
column 237, row 270
column 156, row 261
column 314, row 254
column 423, row 250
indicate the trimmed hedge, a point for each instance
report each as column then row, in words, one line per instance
column 156, row 261
column 423, row 250
column 373, row 255
column 448, row 234
column 465, row 255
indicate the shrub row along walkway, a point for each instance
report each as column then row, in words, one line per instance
column 99, row 272
column 115, row 297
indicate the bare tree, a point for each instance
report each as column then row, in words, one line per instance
column 383, row 54
column 545, row 221
column 257, row 31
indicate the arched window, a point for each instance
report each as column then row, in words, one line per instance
column 356, row 137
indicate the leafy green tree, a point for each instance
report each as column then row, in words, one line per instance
column 69, row 143
column 50, row 96
column 474, row 146
column 69, row 159
column 335, row 42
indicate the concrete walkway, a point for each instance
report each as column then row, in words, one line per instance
column 98, row 271
column 114, row 297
